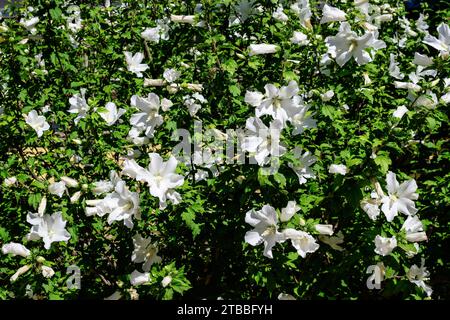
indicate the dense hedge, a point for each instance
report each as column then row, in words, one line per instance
column 347, row 102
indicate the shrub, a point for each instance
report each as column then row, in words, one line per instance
column 235, row 149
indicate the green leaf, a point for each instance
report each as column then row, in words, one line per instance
column 188, row 216
column 280, row 178
column 383, row 162
column 235, row 91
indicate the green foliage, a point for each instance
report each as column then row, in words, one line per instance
column 201, row 240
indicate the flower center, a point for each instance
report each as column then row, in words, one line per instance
column 128, row 206
column 393, row 197
column 151, row 252
column 276, row 103
column 353, row 44
column 270, row 230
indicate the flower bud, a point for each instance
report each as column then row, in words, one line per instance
column 263, row 48
column 10, row 181
column 416, row 236
column 75, row 197
column 154, row 82
column 19, row 272
column 324, row 229
column 47, row 272
column 71, row 183
column 182, row 19
column 166, row 281
column 42, row 206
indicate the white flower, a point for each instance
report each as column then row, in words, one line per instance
column 148, row 118
column 160, row 177
column 151, row 34
column 38, row 123
column 137, row 278
column 285, row 296
column 288, row 212
column 331, row 14
column 74, row 20
column 171, row 75
column 265, row 229
column 10, row 181
column 79, row 105
column 299, row 38
column 422, row 60
column 327, row 96
column 16, row 249
column 324, row 229
column 413, row 88
column 414, row 229
column 122, row 204
column 443, row 43
column 347, row 44
column 394, row 70
column 400, row 112
column 406, row 24
column 160, row 32
column 194, row 103
column 47, row 272
column 303, row 11
column 300, row 116
column 400, row 197
column 104, row 186
column 166, row 281
column 51, row 228
column 446, row 98
column 254, row 98
column 421, row 23
column 57, row 188
column 280, row 15
column 371, row 207
column 256, row 49
column 134, row 63
column 384, row 246
column 428, row 100
column 111, row 114
column 261, row 141
column 418, row 276
column 303, row 242
column 338, row 168
column 144, row 251
column 30, row 24
column 166, row 104
column 302, row 169
column 276, row 102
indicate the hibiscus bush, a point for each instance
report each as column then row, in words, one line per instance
column 224, row 149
